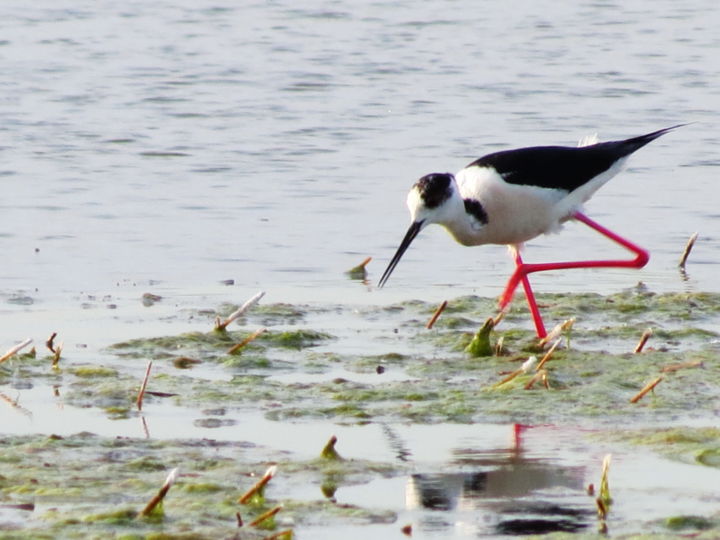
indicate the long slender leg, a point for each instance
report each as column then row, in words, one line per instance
column 529, row 295
column 523, row 269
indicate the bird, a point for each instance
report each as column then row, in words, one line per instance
column 512, row 196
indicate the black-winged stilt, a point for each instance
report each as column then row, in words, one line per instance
column 512, row 196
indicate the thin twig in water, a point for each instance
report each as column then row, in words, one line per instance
column 436, row 315
column 49, row 342
column 499, row 317
column 238, row 312
column 649, row 386
column 259, row 485
column 643, row 340
column 527, row 366
column 539, row 375
column 141, row 393
column 160, row 495
column 252, row 337
column 56, row 354
column 555, row 332
column 499, row 346
column 548, row 354
column 13, row 350
column 681, row 365
column 688, row 249
column 265, row 515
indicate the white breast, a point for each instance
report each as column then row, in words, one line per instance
column 516, row 213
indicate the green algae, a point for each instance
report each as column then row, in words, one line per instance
column 683, row 523
column 297, row 339
column 699, row 446
column 104, row 500
column 433, row 380
column 92, row 371
column 213, row 346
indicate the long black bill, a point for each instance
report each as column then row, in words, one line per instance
column 412, row 232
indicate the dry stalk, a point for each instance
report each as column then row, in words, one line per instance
column 436, row 315
column 141, row 393
column 557, row 331
column 649, row 386
column 499, row 317
column 687, row 250
column 604, row 483
column 527, row 366
column 265, row 515
column 643, row 340
column 160, row 495
column 499, row 346
column 363, row 264
column 670, row 368
column 539, row 375
column 56, row 354
column 259, row 485
column 252, row 337
column 548, row 354
column 13, row 350
column 222, row 325
column 601, row 508
column 49, row 342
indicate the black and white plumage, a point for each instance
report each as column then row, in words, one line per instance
column 512, row 196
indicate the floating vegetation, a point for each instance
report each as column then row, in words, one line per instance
column 480, row 344
column 329, row 452
column 15, row 349
column 359, row 272
column 353, row 366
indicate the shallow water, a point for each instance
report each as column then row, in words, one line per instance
column 274, row 145
column 164, row 147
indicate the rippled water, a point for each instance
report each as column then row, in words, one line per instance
column 274, row 144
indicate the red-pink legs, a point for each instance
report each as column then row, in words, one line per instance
column 529, row 295
column 523, row 269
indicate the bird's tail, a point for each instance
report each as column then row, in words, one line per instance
column 635, row 143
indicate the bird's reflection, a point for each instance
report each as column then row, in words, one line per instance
column 503, row 492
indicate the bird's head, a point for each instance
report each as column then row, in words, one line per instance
column 429, row 201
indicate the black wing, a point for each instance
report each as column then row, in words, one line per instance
column 562, row 167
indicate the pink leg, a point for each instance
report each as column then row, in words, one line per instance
column 530, row 296
column 523, row 269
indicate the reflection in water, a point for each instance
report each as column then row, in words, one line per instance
column 502, row 492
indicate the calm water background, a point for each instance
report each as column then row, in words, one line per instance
column 178, row 144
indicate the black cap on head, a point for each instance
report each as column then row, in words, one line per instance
column 435, row 188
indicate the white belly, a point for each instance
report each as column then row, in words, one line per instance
column 515, row 213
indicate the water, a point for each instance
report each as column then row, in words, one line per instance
column 166, row 146
column 274, row 144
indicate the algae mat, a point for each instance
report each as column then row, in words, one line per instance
column 342, row 366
